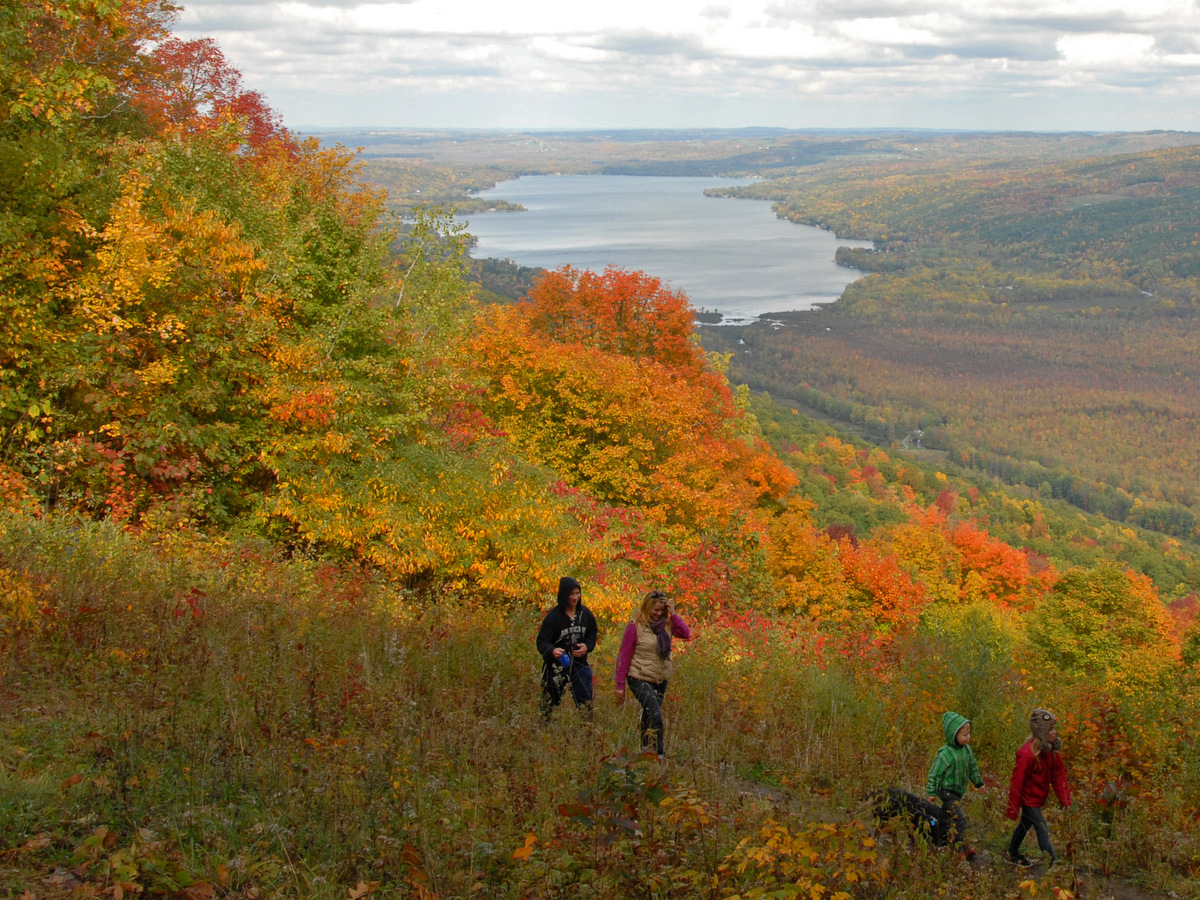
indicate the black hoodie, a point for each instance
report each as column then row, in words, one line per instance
column 562, row 631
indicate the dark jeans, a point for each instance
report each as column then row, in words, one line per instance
column 578, row 676
column 954, row 816
column 1031, row 817
column 650, row 694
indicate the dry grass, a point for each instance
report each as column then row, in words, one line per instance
column 196, row 719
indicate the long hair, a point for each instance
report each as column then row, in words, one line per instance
column 648, row 603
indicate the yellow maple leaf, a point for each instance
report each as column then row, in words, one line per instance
column 523, row 853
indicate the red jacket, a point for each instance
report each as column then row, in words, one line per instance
column 1032, row 777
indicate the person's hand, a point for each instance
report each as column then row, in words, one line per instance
column 620, row 692
column 580, row 650
column 670, row 606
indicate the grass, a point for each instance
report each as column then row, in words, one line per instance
column 193, row 718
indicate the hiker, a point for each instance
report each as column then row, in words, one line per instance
column 644, row 661
column 1038, row 767
column 568, row 634
column 954, row 766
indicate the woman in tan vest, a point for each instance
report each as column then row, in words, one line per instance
column 644, row 661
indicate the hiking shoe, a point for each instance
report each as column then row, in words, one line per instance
column 1019, row 860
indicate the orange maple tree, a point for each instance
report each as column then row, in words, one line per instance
column 625, row 312
column 838, row 580
column 617, row 398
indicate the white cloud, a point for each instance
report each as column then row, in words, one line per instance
column 887, row 30
column 1119, row 51
column 554, row 48
column 968, row 63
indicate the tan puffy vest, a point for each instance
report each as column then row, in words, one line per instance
column 646, row 664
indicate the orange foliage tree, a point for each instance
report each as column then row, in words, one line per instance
column 616, row 397
column 200, row 321
column 838, row 580
column 188, row 86
column 622, row 312
column 959, row 562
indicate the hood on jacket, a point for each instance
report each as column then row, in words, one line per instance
column 951, row 722
column 566, row 584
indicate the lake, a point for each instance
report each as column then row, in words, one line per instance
column 732, row 256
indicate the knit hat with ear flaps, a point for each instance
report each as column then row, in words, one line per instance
column 1040, row 723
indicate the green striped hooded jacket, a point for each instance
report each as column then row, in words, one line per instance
column 953, row 766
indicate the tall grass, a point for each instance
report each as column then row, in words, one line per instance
column 189, row 717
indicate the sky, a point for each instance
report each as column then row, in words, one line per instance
column 1041, row 65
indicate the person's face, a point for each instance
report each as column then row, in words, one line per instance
column 1051, row 735
column 574, row 597
column 659, row 609
column 963, row 735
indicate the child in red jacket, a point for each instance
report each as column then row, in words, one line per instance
column 1039, row 766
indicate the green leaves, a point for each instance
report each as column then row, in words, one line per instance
column 622, row 792
column 1106, row 623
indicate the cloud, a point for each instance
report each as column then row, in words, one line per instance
column 1107, row 51
column 647, row 44
column 1098, row 64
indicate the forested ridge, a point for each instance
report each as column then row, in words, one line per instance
column 283, row 503
column 1033, row 320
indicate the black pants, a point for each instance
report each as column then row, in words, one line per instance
column 1031, row 817
column 650, row 694
column 555, row 682
column 954, row 817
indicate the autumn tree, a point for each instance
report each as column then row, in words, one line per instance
column 841, row 582
column 189, row 87
column 64, row 70
column 636, row 417
column 1105, row 623
column 624, row 312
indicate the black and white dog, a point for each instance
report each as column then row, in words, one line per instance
column 918, row 813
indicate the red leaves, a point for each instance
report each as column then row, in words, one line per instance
column 193, row 603
column 315, row 407
column 191, row 88
column 623, row 312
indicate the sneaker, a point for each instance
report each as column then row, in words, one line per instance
column 1019, row 860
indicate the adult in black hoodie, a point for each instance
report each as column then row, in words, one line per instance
column 567, row 636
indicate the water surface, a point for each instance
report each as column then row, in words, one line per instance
column 733, row 256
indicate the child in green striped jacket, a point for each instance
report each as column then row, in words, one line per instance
column 953, row 768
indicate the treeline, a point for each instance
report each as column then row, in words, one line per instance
column 502, row 280
column 776, row 156
column 831, row 474
column 1106, row 211
column 414, row 183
